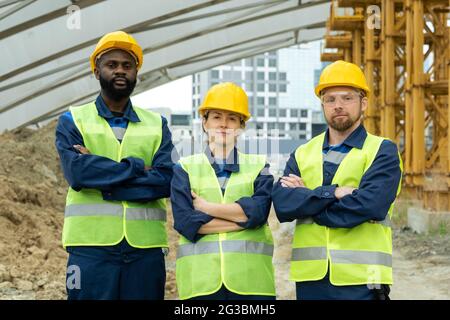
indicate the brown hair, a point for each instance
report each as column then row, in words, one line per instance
column 206, row 115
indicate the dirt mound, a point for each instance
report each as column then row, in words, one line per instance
column 32, row 189
column 32, row 198
column 420, row 246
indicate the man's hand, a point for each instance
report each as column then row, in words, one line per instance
column 147, row 168
column 292, row 181
column 199, row 203
column 81, row 149
column 341, row 192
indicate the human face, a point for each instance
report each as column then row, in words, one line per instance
column 116, row 70
column 222, row 127
column 343, row 107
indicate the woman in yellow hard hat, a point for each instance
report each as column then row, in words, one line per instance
column 220, row 203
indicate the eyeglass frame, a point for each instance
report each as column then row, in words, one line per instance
column 360, row 93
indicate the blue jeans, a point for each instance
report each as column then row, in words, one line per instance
column 118, row 272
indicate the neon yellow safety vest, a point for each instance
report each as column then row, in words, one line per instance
column 91, row 221
column 358, row 255
column 241, row 260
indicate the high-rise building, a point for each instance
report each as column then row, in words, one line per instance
column 179, row 123
column 280, row 87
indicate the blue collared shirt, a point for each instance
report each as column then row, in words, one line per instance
column 187, row 220
column 122, row 181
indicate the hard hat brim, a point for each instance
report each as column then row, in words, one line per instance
column 203, row 109
column 323, row 86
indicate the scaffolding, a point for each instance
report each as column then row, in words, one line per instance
column 404, row 48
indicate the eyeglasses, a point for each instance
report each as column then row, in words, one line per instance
column 345, row 98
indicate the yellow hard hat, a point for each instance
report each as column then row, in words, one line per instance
column 342, row 73
column 226, row 96
column 118, row 40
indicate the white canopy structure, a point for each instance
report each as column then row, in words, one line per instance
column 45, row 45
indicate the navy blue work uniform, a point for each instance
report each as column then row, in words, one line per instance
column 120, row 271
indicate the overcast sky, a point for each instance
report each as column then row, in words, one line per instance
column 176, row 95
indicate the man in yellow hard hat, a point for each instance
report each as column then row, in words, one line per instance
column 117, row 159
column 340, row 188
column 220, row 203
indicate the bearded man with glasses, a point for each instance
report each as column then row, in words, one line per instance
column 340, row 188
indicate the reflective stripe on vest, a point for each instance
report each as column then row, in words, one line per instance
column 342, row 256
column 146, row 214
column 311, row 253
column 208, row 247
column 96, row 209
column 101, row 209
column 361, row 257
column 190, row 249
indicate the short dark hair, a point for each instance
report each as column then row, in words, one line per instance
column 99, row 60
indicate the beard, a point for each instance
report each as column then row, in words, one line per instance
column 343, row 125
column 114, row 93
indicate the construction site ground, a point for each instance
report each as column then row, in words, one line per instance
column 33, row 262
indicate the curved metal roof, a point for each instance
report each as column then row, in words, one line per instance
column 45, row 50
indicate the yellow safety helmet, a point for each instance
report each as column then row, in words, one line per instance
column 117, row 40
column 226, row 96
column 342, row 73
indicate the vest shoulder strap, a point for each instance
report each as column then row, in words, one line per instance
column 79, row 111
column 148, row 116
column 371, row 147
column 195, row 159
column 310, row 145
column 85, row 111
